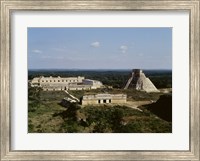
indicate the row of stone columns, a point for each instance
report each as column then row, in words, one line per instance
column 104, row 101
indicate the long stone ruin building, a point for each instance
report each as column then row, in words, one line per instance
column 103, row 99
column 65, row 83
column 139, row 81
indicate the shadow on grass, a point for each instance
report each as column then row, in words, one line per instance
column 162, row 108
column 70, row 112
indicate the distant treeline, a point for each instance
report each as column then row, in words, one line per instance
column 115, row 78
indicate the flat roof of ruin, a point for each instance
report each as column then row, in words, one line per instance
column 104, row 95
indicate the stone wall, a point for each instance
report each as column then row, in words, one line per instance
column 104, row 99
column 68, row 83
column 57, row 80
column 94, row 83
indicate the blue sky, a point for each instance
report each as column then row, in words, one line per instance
column 99, row 48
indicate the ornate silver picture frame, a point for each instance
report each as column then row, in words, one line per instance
column 9, row 6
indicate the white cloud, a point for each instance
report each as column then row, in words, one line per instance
column 95, row 44
column 37, row 51
column 123, row 49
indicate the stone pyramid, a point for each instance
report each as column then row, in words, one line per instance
column 139, row 81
